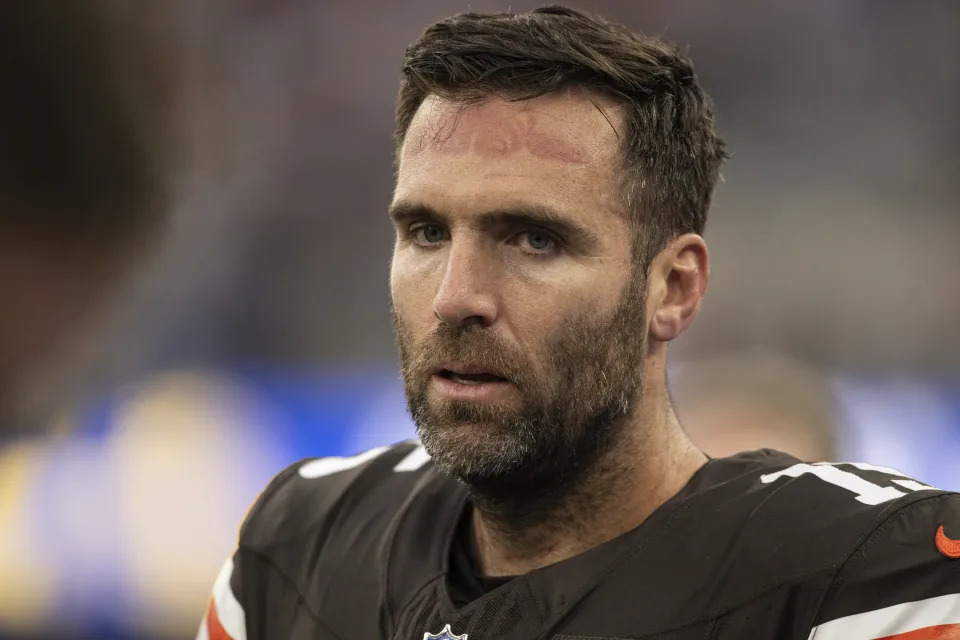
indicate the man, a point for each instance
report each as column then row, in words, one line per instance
column 83, row 114
column 553, row 179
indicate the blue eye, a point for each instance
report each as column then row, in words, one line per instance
column 429, row 234
column 539, row 240
column 536, row 242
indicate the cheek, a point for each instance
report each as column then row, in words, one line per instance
column 574, row 292
column 547, row 313
column 410, row 289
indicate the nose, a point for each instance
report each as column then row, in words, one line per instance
column 468, row 290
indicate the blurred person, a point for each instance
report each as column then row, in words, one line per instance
column 553, row 178
column 744, row 401
column 83, row 151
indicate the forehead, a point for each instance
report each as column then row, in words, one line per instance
column 563, row 146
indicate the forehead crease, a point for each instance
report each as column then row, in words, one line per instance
column 502, row 129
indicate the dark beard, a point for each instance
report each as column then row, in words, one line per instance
column 573, row 409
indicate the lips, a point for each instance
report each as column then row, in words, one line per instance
column 468, row 374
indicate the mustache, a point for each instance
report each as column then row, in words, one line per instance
column 478, row 346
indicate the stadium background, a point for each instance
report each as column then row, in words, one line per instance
column 257, row 333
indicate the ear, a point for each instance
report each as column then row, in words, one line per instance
column 678, row 277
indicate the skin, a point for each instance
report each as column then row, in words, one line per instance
column 458, row 263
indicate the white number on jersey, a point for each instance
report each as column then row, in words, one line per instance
column 865, row 491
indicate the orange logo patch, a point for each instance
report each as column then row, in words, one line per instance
column 947, row 546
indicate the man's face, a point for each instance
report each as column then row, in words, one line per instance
column 518, row 315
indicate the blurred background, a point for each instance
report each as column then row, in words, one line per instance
column 252, row 330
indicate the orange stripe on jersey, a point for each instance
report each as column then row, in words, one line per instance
column 939, row 632
column 215, row 630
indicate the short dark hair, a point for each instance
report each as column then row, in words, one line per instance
column 84, row 97
column 670, row 151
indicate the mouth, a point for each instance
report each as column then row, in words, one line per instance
column 468, row 374
column 464, row 382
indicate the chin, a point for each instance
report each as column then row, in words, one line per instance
column 473, row 451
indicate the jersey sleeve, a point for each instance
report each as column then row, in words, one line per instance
column 264, row 591
column 225, row 618
column 903, row 581
column 232, row 606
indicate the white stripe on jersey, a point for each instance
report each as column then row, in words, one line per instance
column 334, row 464
column 890, row 621
column 203, row 634
column 229, row 611
column 413, row 460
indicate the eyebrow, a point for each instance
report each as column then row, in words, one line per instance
column 518, row 216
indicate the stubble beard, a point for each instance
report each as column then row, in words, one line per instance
column 573, row 410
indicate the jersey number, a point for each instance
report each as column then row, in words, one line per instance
column 865, row 491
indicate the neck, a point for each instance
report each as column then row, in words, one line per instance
column 653, row 462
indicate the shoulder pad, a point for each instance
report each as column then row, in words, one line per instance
column 798, row 519
column 903, row 579
column 314, row 493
